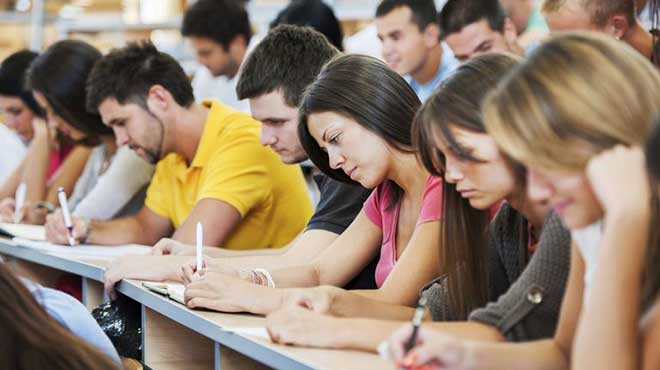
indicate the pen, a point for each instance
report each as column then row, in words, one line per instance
column 416, row 322
column 61, row 196
column 199, row 246
column 20, row 200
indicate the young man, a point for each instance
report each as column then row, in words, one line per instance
column 211, row 167
column 411, row 46
column 219, row 32
column 613, row 17
column 274, row 93
column 474, row 27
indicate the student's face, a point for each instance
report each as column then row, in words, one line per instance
column 18, row 116
column 478, row 38
column 213, row 56
column 279, row 126
column 570, row 17
column 568, row 193
column 136, row 127
column 361, row 154
column 56, row 122
column 405, row 47
column 483, row 183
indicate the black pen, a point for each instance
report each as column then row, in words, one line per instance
column 416, row 322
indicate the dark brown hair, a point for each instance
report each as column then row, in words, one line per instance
column 464, row 233
column 30, row 339
column 367, row 91
column 651, row 276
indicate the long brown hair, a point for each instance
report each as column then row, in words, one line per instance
column 464, row 232
column 30, row 339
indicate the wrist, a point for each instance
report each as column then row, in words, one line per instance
column 87, row 230
column 265, row 300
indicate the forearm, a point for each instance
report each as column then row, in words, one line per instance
column 609, row 325
column 35, row 175
column 127, row 230
column 8, row 188
column 537, row 355
column 347, row 303
column 296, row 276
column 248, row 257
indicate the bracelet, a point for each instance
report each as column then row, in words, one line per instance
column 269, row 278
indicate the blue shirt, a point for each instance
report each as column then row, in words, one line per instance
column 447, row 64
column 74, row 317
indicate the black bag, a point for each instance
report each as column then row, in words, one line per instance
column 121, row 320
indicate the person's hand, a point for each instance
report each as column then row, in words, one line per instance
column 225, row 293
column 116, row 272
column 7, row 210
column 218, row 265
column 171, row 246
column 318, row 299
column 302, row 327
column 619, row 180
column 57, row 233
column 151, row 268
column 431, row 347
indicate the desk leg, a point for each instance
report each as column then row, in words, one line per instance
column 168, row 345
column 39, row 274
column 93, row 293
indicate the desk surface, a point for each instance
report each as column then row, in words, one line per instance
column 206, row 323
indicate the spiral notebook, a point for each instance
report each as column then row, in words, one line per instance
column 171, row 291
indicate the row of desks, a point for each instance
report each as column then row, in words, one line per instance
column 175, row 337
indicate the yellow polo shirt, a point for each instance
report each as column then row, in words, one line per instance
column 232, row 166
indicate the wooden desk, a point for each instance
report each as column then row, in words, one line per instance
column 175, row 337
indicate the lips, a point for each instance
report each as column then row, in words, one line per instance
column 351, row 173
column 560, row 207
column 466, row 193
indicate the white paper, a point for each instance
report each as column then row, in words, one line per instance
column 172, row 291
column 31, row 232
column 84, row 250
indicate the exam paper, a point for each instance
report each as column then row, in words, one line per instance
column 31, row 232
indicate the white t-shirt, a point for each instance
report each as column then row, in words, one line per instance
column 588, row 242
column 101, row 196
column 12, row 152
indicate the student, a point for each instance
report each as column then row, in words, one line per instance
column 41, row 328
column 274, row 93
column 573, row 123
column 113, row 179
column 355, row 126
column 315, row 14
column 612, row 17
column 211, row 168
column 473, row 27
column 51, row 160
column 411, row 46
column 220, row 33
column 527, row 18
column 528, row 254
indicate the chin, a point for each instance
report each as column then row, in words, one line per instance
column 480, row 203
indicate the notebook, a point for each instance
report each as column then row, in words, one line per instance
column 171, row 291
column 31, row 232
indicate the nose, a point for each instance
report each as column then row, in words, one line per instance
column 335, row 158
column 121, row 136
column 453, row 171
column 267, row 136
column 538, row 187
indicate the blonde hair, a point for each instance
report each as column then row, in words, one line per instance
column 599, row 10
column 575, row 96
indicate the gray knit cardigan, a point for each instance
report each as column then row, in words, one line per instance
column 525, row 300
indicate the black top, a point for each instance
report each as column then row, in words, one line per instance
column 338, row 206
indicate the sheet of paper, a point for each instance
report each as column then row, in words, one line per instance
column 259, row 332
column 31, row 232
column 85, row 250
column 172, row 291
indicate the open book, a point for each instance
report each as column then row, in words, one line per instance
column 172, row 291
column 31, row 232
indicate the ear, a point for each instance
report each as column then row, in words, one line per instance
column 159, row 100
column 510, row 32
column 431, row 35
column 617, row 26
column 238, row 43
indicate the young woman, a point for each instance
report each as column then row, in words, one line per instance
column 45, row 329
column 529, row 252
column 53, row 160
column 113, row 178
column 355, row 126
column 575, row 97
